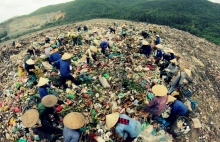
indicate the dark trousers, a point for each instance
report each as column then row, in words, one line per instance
column 112, row 31
column 163, row 66
column 93, row 56
column 48, row 60
column 129, row 139
column 74, row 41
column 47, row 113
column 70, row 77
column 103, row 50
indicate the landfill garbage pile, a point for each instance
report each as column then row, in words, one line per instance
column 118, row 81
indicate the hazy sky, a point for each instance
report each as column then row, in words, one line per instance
column 11, row 8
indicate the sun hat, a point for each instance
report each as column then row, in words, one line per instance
column 74, row 120
column 93, row 49
column 30, row 47
column 188, row 72
column 42, row 81
column 30, row 118
column 46, row 45
column 145, row 42
column 170, row 99
column 159, row 90
column 96, row 42
column 49, row 100
column 112, row 119
column 171, row 51
column 30, row 62
column 159, row 46
column 174, row 61
column 66, row 56
column 140, row 38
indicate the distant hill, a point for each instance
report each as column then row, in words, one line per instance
column 199, row 17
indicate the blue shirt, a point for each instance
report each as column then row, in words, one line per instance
column 43, row 90
column 54, row 57
column 104, row 44
column 133, row 129
column 70, row 135
column 157, row 41
column 64, row 67
column 178, row 108
column 159, row 53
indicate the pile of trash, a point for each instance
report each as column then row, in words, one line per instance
column 118, row 81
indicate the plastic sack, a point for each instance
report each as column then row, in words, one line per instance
column 104, row 82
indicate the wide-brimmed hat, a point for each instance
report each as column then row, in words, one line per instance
column 171, row 99
column 66, row 56
column 174, row 61
column 96, row 42
column 112, row 119
column 188, row 72
column 145, row 43
column 30, row 118
column 46, row 45
column 93, row 49
column 49, row 100
column 74, row 120
column 159, row 46
column 30, row 48
column 30, row 62
column 42, row 81
column 140, row 38
column 159, row 90
column 170, row 51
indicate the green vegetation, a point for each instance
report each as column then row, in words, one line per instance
column 199, row 17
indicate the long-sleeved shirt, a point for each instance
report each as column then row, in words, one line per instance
column 54, row 57
column 133, row 129
column 47, row 51
column 178, row 82
column 104, row 44
column 159, row 53
column 157, row 41
column 156, row 105
column 64, row 67
column 172, row 69
column 70, row 135
column 178, row 108
column 43, row 90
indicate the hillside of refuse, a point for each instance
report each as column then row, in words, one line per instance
column 197, row 54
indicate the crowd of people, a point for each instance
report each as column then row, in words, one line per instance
column 87, row 48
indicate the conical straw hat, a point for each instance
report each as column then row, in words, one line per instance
column 93, row 49
column 66, row 56
column 74, row 120
column 171, row 99
column 173, row 61
column 145, row 42
column 171, row 51
column 188, row 72
column 159, row 46
column 49, row 100
column 30, row 118
column 159, row 90
column 96, row 42
column 112, row 119
column 30, row 62
column 42, row 81
column 157, row 36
